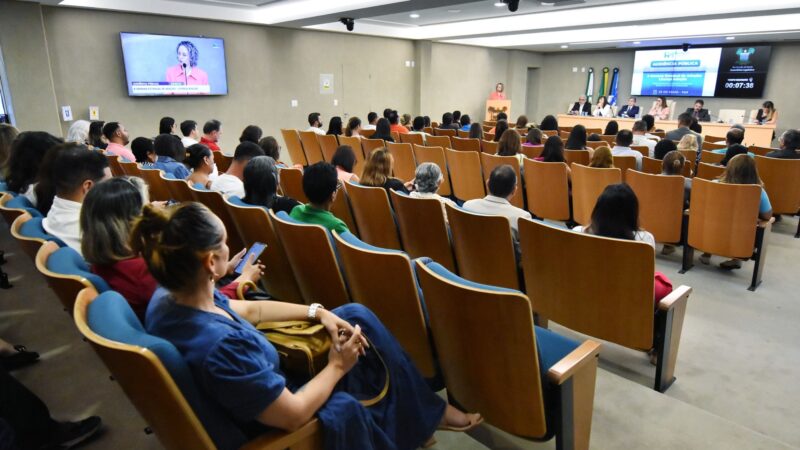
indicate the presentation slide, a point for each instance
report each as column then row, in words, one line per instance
column 157, row 65
column 743, row 71
column 675, row 73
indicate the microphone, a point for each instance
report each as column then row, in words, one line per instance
column 185, row 77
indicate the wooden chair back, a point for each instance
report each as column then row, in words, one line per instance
column 156, row 185
column 395, row 135
column 216, row 203
column 624, row 163
column 374, row 216
column 131, row 169
column 643, row 149
column 435, row 155
column 484, row 248
column 438, row 141
column 30, row 245
column 292, row 140
column 490, row 162
column 489, row 137
column 531, row 151
column 660, row 204
column 590, row 131
column 609, row 139
column 690, row 155
column 423, row 229
column 310, row 253
column 367, row 133
column 391, row 293
column 222, row 161
column 342, row 210
column 114, row 165
column 781, row 179
column 311, row 146
column 489, row 123
column 487, row 128
column 465, row 174
column 711, row 157
column 428, row 130
column 723, row 218
column 587, row 184
column 547, row 188
column 489, row 146
column 650, row 165
column 564, row 134
column 178, row 189
column 368, row 145
column 444, row 132
column 254, row 225
column 614, row 308
column 463, row 134
column 660, row 133
column 577, row 157
column 411, row 138
column 355, row 144
column 712, row 146
column 565, row 128
column 459, row 314
column 761, row 151
column 328, row 144
column 709, row 171
column 596, row 144
column 709, row 138
column 292, row 184
column 466, row 144
column 404, row 164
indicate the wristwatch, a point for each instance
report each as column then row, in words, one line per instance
column 312, row 310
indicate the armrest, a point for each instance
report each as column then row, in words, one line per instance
column 574, row 361
column 280, row 440
column 677, row 295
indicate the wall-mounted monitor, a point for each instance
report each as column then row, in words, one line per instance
column 738, row 72
column 162, row 65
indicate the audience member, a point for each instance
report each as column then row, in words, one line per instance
column 673, row 165
column 189, row 132
column 335, row 126
column 734, row 136
column 698, row 112
column 405, row 120
column 321, row 185
column 789, row 143
column 387, row 112
column 201, row 161
column 533, row 138
column 623, row 147
column 344, row 159
column 502, row 185
column 383, row 130
column 651, row 127
column 522, row 123
column 500, row 117
column 427, row 179
column 394, row 124
column 171, row 154
column 476, row 131
column 27, row 153
column 427, row 121
column 378, row 172
column 230, row 183
column 418, row 127
column 315, row 123
column 272, row 149
column 602, row 158
column 7, row 136
column 639, row 130
column 660, row 108
column 581, row 107
column 117, row 137
column 509, row 145
column 212, row 130
column 166, row 125
column 689, row 143
column 630, row 110
column 144, row 152
column 96, row 138
column 553, row 151
column 576, row 139
column 500, row 129
column 251, row 133
column 612, row 128
column 594, row 137
column 78, row 132
column 448, row 123
column 602, row 109
column 663, row 147
column 261, row 186
column 68, row 173
column 696, row 127
column 372, row 119
column 457, row 118
column 684, row 121
column 733, row 150
column 353, row 127
column 465, row 122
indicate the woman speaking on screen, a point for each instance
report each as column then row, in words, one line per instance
column 186, row 71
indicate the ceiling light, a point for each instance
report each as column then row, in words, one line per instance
column 636, row 43
column 414, row 15
column 454, row 11
column 547, row 3
column 565, row 46
column 730, row 38
column 499, row 4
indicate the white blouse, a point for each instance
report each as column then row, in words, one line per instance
column 605, row 111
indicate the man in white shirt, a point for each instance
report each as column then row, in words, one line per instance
column 230, row 183
column 623, row 147
column 640, row 138
column 190, row 134
column 372, row 119
column 502, row 185
column 315, row 123
column 74, row 171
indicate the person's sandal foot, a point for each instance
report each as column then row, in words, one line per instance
column 474, row 420
column 20, row 359
column 705, row 258
column 70, row 434
column 668, row 250
column 731, row 264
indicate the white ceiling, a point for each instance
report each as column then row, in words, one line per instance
column 576, row 24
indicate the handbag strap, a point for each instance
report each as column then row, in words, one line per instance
column 240, row 290
column 385, row 390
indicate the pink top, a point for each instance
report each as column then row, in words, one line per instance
column 497, row 96
column 121, row 151
column 660, row 113
column 344, row 175
column 197, row 76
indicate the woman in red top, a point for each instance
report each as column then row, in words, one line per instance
column 106, row 217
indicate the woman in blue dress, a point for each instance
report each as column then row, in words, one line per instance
column 238, row 369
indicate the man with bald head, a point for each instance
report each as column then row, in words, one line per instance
column 581, row 107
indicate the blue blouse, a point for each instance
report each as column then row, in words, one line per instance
column 172, row 167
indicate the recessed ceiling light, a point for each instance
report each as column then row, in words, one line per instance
column 547, row 3
column 636, row 43
column 730, row 38
column 565, row 46
column 414, row 15
column 499, row 4
column 454, row 11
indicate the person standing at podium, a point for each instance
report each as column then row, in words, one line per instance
column 581, row 107
column 499, row 92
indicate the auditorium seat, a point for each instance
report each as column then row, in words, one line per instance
column 651, row 165
column 355, row 144
column 761, row 151
column 156, row 379
column 30, row 234
column 254, row 225
column 690, row 155
column 423, row 154
column 710, row 145
column 178, row 189
column 66, row 273
column 590, row 131
column 624, row 163
column 463, row 134
column 643, row 149
column 587, row 185
column 660, row 204
column 292, row 140
column 781, row 179
column 438, row 141
column 428, row 130
column 709, row 171
column 616, row 308
column 368, row 145
column 411, row 138
column 216, row 203
column 309, row 250
column 710, row 139
column 610, row 139
column 444, row 132
column 311, row 147
column 490, row 162
column 465, row 174
column 291, row 181
column 222, row 161
column 484, row 248
column 373, row 215
column 156, row 185
column 577, row 157
column 131, row 169
column 113, row 164
column 366, row 133
column 489, row 137
column 327, row 144
column 466, row 144
column 541, row 385
column 531, row 151
column 488, row 145
column 395, row 135
column 596, row 144
column 423, row 228
column 723, row 221
column 404, row 164
column 391, row 293
column 12, row 207
column 547, row 188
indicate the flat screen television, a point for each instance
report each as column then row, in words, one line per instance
column 734, row 72
column 162, row 65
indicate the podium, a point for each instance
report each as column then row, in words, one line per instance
column 494, row 107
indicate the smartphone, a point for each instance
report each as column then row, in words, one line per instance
column 256, row 249
column 171, row 202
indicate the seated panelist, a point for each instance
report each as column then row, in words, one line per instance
column 630, row 110
column 581, row 107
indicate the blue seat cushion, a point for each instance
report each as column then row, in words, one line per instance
column 21, row 202
column 67, row 261
column 33, row 229
column 444, row 273
column 111, row 317
column 234, row 200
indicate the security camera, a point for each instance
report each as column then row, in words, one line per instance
column 349, row 22
column 686, row 47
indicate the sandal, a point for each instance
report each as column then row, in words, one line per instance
column 20, row 359
column 474, row 420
